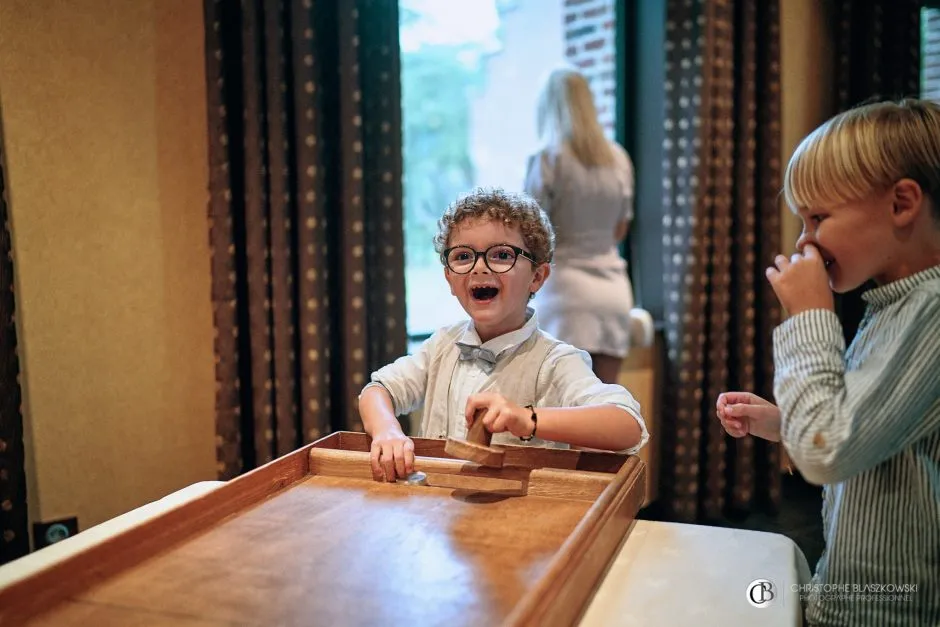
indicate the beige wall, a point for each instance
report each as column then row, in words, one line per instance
column 103, row 108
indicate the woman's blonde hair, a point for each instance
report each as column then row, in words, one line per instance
column 566, row 113
column 866, row 150
column 514, row 210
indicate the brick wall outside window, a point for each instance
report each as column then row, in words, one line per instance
column 930, row 54
column 590, row 45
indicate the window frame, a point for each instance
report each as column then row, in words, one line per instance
column 641, row 96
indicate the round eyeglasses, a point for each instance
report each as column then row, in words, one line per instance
column 498, row 258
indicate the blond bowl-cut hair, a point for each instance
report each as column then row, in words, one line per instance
column 866, row 150
column 512, row 209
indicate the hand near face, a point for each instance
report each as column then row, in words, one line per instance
column 801, row 282
column 501, row 415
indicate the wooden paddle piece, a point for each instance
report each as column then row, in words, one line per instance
column 476, row 448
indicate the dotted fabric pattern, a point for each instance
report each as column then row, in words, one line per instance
column 721, row 228
column 305, row 215
column 14, row 535
column 877, row 48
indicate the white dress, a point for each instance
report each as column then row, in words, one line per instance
column 587, row 299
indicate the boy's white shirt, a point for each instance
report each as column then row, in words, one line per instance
column 532, row 368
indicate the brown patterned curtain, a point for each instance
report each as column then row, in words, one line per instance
column 305, row 216
column 721, row 219
column 14, row 542
column 877, row 47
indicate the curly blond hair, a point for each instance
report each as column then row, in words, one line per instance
column 515, row 210
column 866, row 150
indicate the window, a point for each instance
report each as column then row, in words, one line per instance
column 471, row 74
column 930, row 53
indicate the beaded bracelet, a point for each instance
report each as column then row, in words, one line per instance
column 535, row 424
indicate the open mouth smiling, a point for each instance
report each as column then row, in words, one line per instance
column 484, row 292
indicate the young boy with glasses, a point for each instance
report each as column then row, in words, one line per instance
column 496, row 249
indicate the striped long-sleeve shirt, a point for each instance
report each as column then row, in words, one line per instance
column 866, row 425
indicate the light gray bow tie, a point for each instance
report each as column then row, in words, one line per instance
column 484, row 357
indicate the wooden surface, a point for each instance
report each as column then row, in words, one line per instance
column 561, row 596
column 313, row 539
column 476, row 447
column 447, row 473
column 516, row 456
column 472, row 451
column 119, row 553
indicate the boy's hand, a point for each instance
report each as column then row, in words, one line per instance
column 392, row 455
column 801, row 282
column 743, row 413
column 501, row 415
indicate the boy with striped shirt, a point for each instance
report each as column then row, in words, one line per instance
column 864, row 423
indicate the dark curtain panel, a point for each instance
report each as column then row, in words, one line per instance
column 305, row 216
column 14, row 542
column 877, row 47
column 721, row 229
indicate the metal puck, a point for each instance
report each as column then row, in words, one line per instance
column 417, row 478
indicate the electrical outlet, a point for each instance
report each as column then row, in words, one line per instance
column 46, row 533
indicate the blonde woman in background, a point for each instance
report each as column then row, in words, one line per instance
column 585, row 183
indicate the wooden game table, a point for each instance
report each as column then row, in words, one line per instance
column 312, row 539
